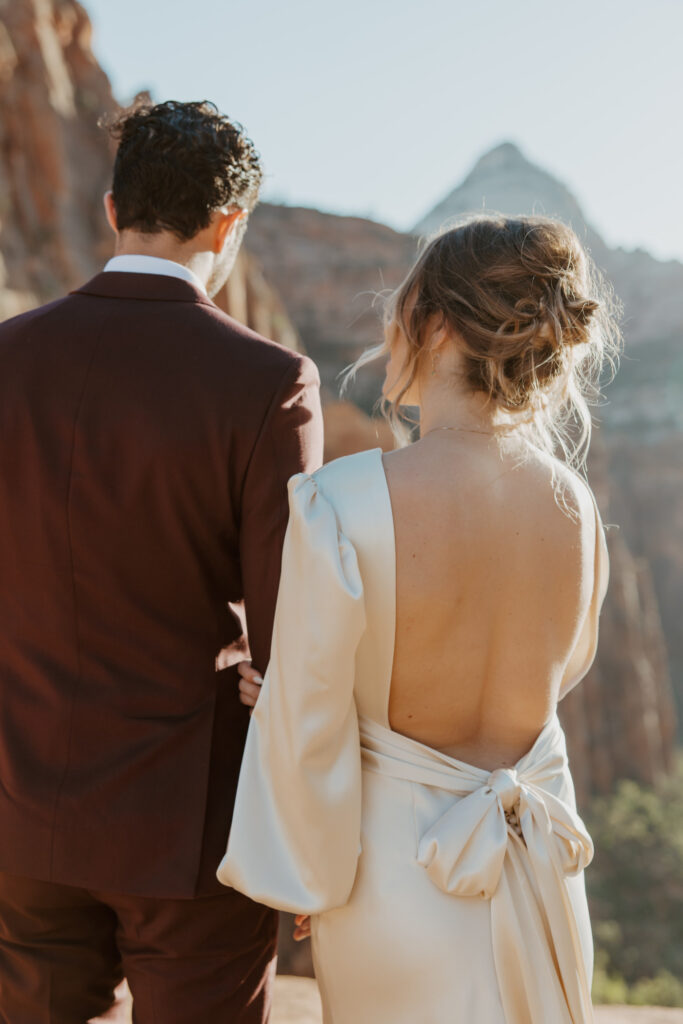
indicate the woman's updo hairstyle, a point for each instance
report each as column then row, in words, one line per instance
column 532, row 317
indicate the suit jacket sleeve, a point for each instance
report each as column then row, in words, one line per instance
column 290, row 442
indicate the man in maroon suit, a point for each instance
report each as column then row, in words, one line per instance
column 146, row 439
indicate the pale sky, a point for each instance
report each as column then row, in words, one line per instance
column 380, row 107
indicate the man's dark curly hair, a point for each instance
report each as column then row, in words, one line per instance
column 177, row 163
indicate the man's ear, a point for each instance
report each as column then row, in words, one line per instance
column 225, row 222
column 110, row 211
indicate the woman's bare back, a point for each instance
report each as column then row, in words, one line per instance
column 497, row 596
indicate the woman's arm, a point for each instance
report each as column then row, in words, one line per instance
column 295, row 836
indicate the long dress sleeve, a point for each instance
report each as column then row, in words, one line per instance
column 295, row 835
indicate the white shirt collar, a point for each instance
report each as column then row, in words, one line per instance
column 153, row 265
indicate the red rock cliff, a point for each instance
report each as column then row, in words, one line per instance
column 55, row 165
column 54, row 161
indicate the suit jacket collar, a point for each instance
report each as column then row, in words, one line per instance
column 155, row 287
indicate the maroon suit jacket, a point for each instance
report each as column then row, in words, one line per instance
column 146, row 440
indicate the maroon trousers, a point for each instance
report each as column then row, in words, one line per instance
column 63, row 951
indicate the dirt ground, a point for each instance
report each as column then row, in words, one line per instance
column 637, row 1015
column 297, row 1002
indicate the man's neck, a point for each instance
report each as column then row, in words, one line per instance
column 162, row 247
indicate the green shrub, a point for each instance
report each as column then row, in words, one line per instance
column 609, row 988
column 663, row 990
column 635, row 889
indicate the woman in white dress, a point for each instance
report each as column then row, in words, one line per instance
column 405, row 780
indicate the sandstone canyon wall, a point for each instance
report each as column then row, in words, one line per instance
column 331, row 272
column 54, row 161
column 55, row 165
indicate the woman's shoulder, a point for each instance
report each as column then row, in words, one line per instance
column 542, row 473
column 565, row 512
column 349, row 467
column 342, row 478
column 575, row 495
column 353, row 486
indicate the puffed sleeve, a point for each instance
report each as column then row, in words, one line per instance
column 295, row 835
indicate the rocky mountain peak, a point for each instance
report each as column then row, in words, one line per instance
column 501, row 157
column 505, row 181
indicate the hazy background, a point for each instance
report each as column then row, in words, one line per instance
column 381, row 110
column 378, row 108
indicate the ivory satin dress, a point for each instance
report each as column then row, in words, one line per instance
column 440, row 893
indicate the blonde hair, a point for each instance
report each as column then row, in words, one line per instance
column 533, row 318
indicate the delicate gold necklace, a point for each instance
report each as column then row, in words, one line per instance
column 467, row 430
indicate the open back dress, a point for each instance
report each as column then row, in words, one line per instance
column 440, row 893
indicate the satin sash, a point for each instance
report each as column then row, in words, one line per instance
column 507, row 838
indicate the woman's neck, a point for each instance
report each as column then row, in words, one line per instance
column 442, row 407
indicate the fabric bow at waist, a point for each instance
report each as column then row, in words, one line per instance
column 509, row 838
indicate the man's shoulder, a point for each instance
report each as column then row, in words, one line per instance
column 256, row 348
column 22, row 322
column 230, row 345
